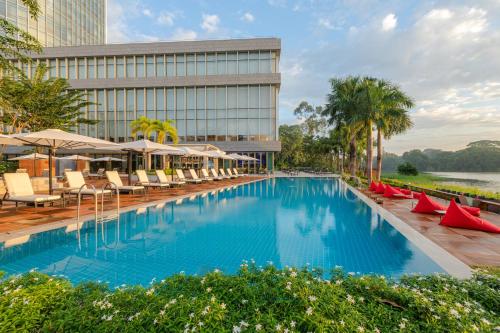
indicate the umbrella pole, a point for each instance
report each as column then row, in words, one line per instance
column 129, row 166
column 50, row 170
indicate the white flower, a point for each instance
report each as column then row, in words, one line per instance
column 209, row 289
column 191, row 315
column 150, row 291
column 361, row 299
column 278, row 327
column 376, row 330
column 338, row 282
column 258, row 327
column 293, row 274
column 244, row 301
column 454, row 313
column 309, row 311
column 200, row 324
column 342, row 323
column 292, row 324
column 350, row 299
column 486, row 321
column 312, row 298
column 236, row 329
column 223, row 305
column 361, row 329
column 402, row 325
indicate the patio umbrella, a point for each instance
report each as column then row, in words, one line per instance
column 143, row 146
column 9, row 140
column 76, row 158
column 106, row 159
column 54, row 139
column 34, row 156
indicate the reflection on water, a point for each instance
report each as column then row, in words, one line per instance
column 489, row 181
column 287, row 221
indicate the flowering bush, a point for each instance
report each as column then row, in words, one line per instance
column 255, row 299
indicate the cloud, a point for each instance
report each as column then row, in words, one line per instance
column 166, row 18
column 277, row 3
column 183, row 34
column 147, row 12
column 117, row 27
column 247, row 17
column 210, row 23
column 326, row 23
column 389, row 22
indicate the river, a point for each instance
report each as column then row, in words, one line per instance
column 489, row 181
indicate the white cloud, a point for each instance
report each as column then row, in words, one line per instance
column 117, row 27
column 389, row 22
column 247, row 17
column 183, row 34
column 210, row 23
column 326, row 23
column 166, row 18
column 277, row 3
column 147, row 12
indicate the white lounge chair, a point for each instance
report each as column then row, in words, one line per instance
column 206, row 176
column 76, row 181
column 214, row 173
column 162, row 179
column 181, row 176
column 239, row 174
column 229, row 172
column 194, row 175
column 114, row 178
column 19, row 189
column 99, row 174
column 144, row 180
column 223, row 173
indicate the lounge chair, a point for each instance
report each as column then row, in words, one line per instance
column 181, row 176
column 144, row 180
column 114, row 178
column 162, row 179
column 214, row 173
column 223, row 173
column 195, row 176
column 231, row 174
column 21, row 171
column 239, row 174
column 99, row 174
column 76, row 181
column 85, row 173
column 206, row 176
column 19, row 189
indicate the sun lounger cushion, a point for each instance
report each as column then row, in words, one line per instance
column 476, row 211
column 373, row 186
column 391, row 192
column 87, row 191
column 405, row 191
column 35, row 198
column 380, row 188
column 426, row 205
column 457, row 217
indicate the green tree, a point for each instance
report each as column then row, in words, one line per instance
column 313, row 122
column 407, row 169
column 164, row 130
column 36, row 104
column 292, row 153
column 142, row 125
column 16, row 43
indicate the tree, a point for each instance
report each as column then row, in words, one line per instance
column 407, row 169
column 36, row 104
column 417, row 158
column 292, row 153
column 16, row 43
column 165, row 129
column 142, row 125
column 313, row 121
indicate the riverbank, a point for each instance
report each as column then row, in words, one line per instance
column 433, row 181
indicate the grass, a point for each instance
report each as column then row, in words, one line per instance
column 256, row 299
column 436, row 182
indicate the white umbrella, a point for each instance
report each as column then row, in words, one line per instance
column 55, row 139
column 76, row 158
column 219, row 154
column 106, row 159
column 8, row 140
column 194, row 152
column 33, row 156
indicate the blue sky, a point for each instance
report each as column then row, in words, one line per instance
column 445, row 54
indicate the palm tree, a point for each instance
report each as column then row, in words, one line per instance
column 165, row 129
column 142, row 125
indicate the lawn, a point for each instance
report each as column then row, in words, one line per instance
column 255, row 299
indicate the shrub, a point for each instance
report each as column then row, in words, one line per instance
column 255, row 299
column 407, row 169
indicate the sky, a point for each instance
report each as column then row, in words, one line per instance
column 444, row 54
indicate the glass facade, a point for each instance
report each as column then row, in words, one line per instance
column 61, row 22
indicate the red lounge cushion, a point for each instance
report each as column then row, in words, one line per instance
column 416, row 195
column 391, row 191
column 427, row 206
column 458, row 217
column 373, row 186
column 405, row 191
column 380, row 188
column 472, row 210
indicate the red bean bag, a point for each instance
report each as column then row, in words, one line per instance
column 373, row 186
column 391, row 192
column 417, row 195
column 458, row 217
column 427, row 206
column 472, row 210
column 380, row 188
column 405, row 191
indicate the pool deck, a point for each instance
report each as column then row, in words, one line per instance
column 474, row 248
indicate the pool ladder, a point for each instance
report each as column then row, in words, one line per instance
column 100, row 218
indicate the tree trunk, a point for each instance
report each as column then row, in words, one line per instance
column 352, row 156
column 369, row 152
column 379, row 154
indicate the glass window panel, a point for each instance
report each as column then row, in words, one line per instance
column 243, row 97
column 253, row 101
column 170, row 99
column 139, row 62
column 200, row 64
column 265, row 130
column 150, row 106
column 200, row 98
column 232, row 63
column 110, row 67
column 265, row 62
column 232, row 129
column 232, row 97
column 211, row 98
column 72, row 69
column 221, row 97
column 62, row 68
column 120, row 104
column 150, row 66
column 110, row 122
column 242, row 62
column 92, row 113
column 139, row 93
column 253, row 62
column 180, row 65
column 179, row 101
column 160, row 65
column 130, row 67
column 160, row 100
column 200, row 130
column 274, row 62
column 221, row 63
column 120, row 68
column 211, row 127
column 52, row 68
column 81, row 68
column 211, row 64
column 170, row 66
column 190, row 130
column 100, row 114
column 242, row 129
column 100, row 68
column 191, row 103
column 190, row 63
column 253, row 129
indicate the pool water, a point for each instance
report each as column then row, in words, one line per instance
column 286, row 221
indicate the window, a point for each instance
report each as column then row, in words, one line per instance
column 120, row 70
column 130, row 110
column 62, row 68
column 200, row 64
column 100, row 68
column 221, row 63
column 170, row 66
column 91, row 68
column 110, row 67
column 180, row 65
column 130, row 67
column 81, row 68
column 242, row 62
column 190, row 103
column 139, row 93
column 211, row 64
column 179, row 103
column 232, row 63
column 200, row 102
column 150, row 104
column 221, row 103
column 139, row 62
column 71, row 69
column 160, row 65
column 210, row 103
column 190, row 64
column 161, row 113
column 100, row 115
column 52, row 68
column 253, row 62
column 120, row 116
column 253, row 102
column 170, row 104
column 150, row 66
column 265, row 62
column 242, row 102
column 111, row 115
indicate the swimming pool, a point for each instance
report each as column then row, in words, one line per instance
column 287, row 221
